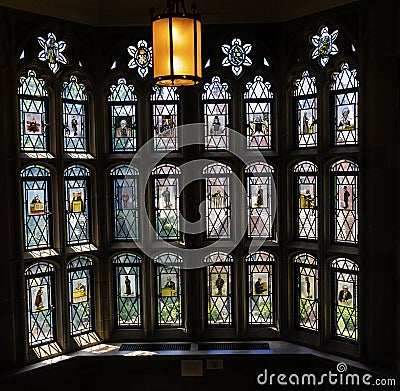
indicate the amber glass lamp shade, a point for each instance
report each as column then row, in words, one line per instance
column 176, row 48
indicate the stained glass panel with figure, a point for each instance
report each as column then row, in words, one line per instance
column 126, row 208
column 74, row 103
column 164, row 102
column 345, row 201
column 258, row 105
column 122, row 107
column 260, row 288
column 128, row 295
column 37, row 211
column 305, row 106
column 77, row 204
column 33, row 113
column 306, row 205
column 306, row 287
column 216, row 105
column 40, row 303
column 219, row 289
column 169, row 290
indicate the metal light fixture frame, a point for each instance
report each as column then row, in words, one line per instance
column 174, row 11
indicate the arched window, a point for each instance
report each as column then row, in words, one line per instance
column 122, row 111
column 344, row 277
column 219, row 289
column 169, row 290
column 261, row 200
column 80, row 274
column 344, row 176
column 33, row 113
column 166, row 201
column 128, row 296
column 77, row 204
column 258, row 101
column 305, row 109
column 164, row 103
column 216, row 109
column 344, row 104
column 260, row 272
column 306, row 291
column 37, row 209
column 218, row 203
column 124, row 180
column 306, row 206
column 75, row 116
column 40, row 303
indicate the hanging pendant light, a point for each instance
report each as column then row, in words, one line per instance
column 177, row 46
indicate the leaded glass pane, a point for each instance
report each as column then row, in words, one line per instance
column 219, row 289
column 260, row 288
column 305, row 101
column 344, row 89
column 164, row 101
column 166, row 201
column 306, row 205
column 77, row 204
column 122, row 106
column 260, row 207
column 33, row 113
column 74, row 100
column 216, row 105
column 142, row 57
column 169, row 290
column 126, row 208
column 236, row 55
column 324, row 46
column 258, row 103
column 345, row 201
column 218, row 202
column 306, row 280
column 40, row 304
column 80, row 296
column 345, row 299
column 37, row 207
column 52, row 51
column 127, row 272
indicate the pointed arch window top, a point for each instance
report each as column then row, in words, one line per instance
column 305, row 258
column 216, row 169
column 122, row 91
column 216, row 89
column 31, row 85
column 305, row 85
column 345, row 78
column 73, row 89
column 344, row 165
column 236, row 55
column 258, row 89
column 81, row 261
column 345, row 264
column 305, row 166
column 324, row 46
column 142, row 57
column 52, row 51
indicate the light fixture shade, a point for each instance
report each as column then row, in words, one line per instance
column 176, row 49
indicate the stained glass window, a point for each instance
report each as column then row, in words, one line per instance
column 344, row 275
column 169, row 289
column 142, row 57
column 324, row 46
column 236, row 55
column 126, row 210
column 164, row 103
column 345, row 201
column 33, row 113
column 52, row 51
column 128, row 295
column 218, row 201
column 344, row 93
column 260, row 200
column 74, row 103
column 77, row 204
column 305, row 107
column 219, row 289
column 40, row 303
column 37, row 212
column 80, row 295
column 306, row 205
column 258, row 103
column 260, row 288
column 306, row 288
column 216, row 106
column 122, row 108
column 166, row 201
